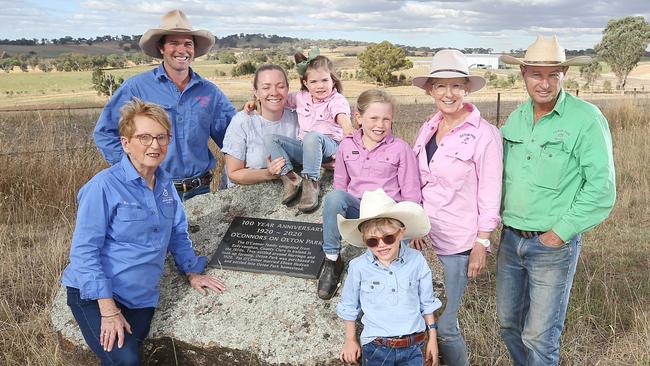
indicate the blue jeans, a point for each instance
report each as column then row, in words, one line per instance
column 337, row 202
column 309, row 152
column 87, row 315
column 451, row 344
column 533, row 286
column 376, row 355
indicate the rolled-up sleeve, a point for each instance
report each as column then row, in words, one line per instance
column 89, row 236
column 339, row 105
column 428, row 301
column 349, row 307
column 408, row 176
column 234, row 143
column 180, row 245
column 489, row 170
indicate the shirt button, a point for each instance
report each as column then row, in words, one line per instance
column 155, row 230
column 527, row 157
column 367, row 158
column 153, row 212
column 393, row 290
column 371, row 286
column 442, row 144
column 532, row 140
column 390, row 273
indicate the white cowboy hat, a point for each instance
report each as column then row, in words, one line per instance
column 447, row 64
column 377, row 204
column 545, row 52
column 175, row 22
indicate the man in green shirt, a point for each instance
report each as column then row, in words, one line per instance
column 558, row 182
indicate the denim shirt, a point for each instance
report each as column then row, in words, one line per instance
column 197, row 114
column 393, row 299
column 122, row 235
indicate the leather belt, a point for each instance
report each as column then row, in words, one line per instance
column 525, row 234
column 400, row 342
column 185, row 185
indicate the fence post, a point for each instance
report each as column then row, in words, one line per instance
column 577, row 92
column 498, row 107
column 634, row 93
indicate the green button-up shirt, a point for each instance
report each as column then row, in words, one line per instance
column 558, row 172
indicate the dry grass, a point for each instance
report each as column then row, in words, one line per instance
column 608, row 321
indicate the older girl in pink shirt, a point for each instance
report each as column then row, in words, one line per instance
column 371, row 158
column 324, row 117
column 460, row 161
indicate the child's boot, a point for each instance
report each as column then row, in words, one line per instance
column 291, row 182
column 329, row 278
column 309, row 198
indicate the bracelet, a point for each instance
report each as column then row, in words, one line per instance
column 118, row 312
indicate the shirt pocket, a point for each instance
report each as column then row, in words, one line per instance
column 130, row 225
column 513, row 150
column 552, row 164
column 372, row 291
column 457, row 169
column 386, row 165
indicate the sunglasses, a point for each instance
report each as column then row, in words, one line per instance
column 388, row 239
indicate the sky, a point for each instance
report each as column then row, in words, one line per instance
column 498, row 24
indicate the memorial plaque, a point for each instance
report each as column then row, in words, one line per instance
column 290, row 248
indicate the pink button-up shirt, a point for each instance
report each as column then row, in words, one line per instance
column 319, row 116
column 461, row 185
column 391, row 165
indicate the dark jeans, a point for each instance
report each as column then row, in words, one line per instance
column 86, row 313
column 376, row 355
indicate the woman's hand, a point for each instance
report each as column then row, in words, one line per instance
column 112, row 327
column 418, row 243
column 476, row 260
column 274, row 166
column 330, row 164
column 351, row 352
column 250, row 106
column 202, row 282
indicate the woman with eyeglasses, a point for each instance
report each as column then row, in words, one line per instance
column 459, row 156
column 129, row 217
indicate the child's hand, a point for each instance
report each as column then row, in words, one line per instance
column 274, row 166
column 349, row 130
column 330, row 164
column 431, row 358
column 352, row 351
column 250, row 106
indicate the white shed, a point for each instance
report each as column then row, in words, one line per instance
column 484, row 61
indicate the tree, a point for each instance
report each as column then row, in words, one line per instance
column 379, row 60
column 590, row 72
column 624, row 42
column 105, row 84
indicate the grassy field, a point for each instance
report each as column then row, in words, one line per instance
column 608, row 321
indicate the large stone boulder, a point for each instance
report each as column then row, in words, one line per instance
column 262, row 319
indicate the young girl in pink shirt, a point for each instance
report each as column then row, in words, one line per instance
column 369, row 159
column 324, row 118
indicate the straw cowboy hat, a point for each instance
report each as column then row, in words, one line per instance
column 377, row 204
column 447, row 64
column 545, row 52
column 175, row 22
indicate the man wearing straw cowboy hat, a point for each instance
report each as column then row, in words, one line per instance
column 558, row 182
column 198, row 109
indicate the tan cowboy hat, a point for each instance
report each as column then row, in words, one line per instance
column 447, row 64
column 175, row 22
column 545, row 52
column 377, row 204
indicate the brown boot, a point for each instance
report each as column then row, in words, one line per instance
column 291, row 182
column 309, row 198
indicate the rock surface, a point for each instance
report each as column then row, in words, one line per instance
column 262, row 319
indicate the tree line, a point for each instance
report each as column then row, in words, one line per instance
column 70, row 62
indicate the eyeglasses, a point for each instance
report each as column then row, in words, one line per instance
column 147, row 139
column 388, row 239
column 441, row 89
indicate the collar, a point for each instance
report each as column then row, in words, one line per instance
column 558, row 108
column 160, row 74
column 357, row 137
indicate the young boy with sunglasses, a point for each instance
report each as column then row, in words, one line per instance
column 390, row 284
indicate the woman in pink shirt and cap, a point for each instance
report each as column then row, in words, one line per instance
column 459, row 156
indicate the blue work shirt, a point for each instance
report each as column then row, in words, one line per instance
column 199, row 112
column 393, row 299
column 122, row 235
